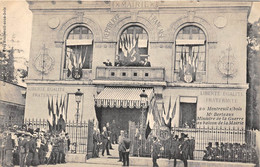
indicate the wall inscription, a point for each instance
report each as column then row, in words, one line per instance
column 45, row 91
column 144, row 5
column 221, row 108
column 110, row 25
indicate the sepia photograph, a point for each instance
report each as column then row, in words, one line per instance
column 110, row 83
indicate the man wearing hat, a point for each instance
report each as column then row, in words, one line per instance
column 185, row 150
column 175, row 151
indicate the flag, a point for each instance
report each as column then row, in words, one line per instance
column 49, row 106
column 147, row 130
column 50, row 113
column 170, row 114
column 149, row 121
column 57, row 110
column 169, row 108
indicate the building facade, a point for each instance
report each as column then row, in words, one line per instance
column 189, row 56
column 12, row 104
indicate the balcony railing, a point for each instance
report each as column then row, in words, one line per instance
column 130, row 73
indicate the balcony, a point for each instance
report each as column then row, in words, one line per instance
column 130, row 73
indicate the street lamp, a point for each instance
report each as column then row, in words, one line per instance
column 78, row 95
column 143, row 98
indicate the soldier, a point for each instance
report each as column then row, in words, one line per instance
column 185, row 150
column 155, row 151
column 125, row 150
column 175, row 151
column 105, row 139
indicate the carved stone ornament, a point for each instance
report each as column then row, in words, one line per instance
column 53, row 22
column 220, row 22
column 77, row 73
column 164, row 133
column 43, row 62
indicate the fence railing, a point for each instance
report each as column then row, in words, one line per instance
column 78, row 132
column 202, row 136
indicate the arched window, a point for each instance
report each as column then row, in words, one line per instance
column 79, row 49
column 190, row 55
column 132, row 47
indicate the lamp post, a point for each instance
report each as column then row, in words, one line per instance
column 78, row 95
column 143, row 98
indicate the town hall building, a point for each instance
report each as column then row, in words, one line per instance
column 191, row 56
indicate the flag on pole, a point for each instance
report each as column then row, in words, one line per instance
column 149, row 121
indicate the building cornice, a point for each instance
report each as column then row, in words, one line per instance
column 139, row 84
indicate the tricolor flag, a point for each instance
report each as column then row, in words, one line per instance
column 149, row 121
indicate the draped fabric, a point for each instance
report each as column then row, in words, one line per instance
column 122, row 97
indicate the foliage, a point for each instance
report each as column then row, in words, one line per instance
column 253, row 71
column 7, row 66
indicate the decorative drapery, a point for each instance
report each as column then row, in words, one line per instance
column 122, row 97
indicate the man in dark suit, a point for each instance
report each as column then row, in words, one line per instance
column 175, row 150
column 156, row 151
column 191, row 148
column 125, row 150
column 105, row 137
column 109, row 135
column 185, row 150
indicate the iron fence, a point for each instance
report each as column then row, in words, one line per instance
column 78, row 132
column 235, row 137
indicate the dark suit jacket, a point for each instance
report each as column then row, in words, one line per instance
column 126, row 145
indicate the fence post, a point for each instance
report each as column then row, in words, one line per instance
column 90, row 139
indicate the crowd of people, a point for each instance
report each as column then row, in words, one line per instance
column 26, row 146
column 230, row 152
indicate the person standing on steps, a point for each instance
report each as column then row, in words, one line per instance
column 125, row 150
column 120, row 145
column 105, row 139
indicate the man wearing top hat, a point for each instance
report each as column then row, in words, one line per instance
column 185, row 150
column 175, row 150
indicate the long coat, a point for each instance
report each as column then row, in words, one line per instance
column 175, row 150
column 185, row 149
column 156, row 149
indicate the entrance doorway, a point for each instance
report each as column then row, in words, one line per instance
column 122, row 116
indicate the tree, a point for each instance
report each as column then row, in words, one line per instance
column 253, row 72
column 7, row 66
column 8, row 72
